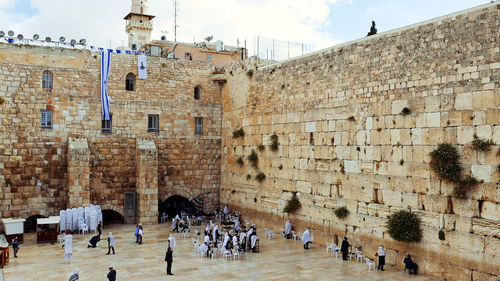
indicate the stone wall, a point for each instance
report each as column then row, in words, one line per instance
column 345, row 140
column 34, row 161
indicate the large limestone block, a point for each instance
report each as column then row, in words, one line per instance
column 435, row 203
column 482, row 172
column 490, row 210
column 463, row 101
column 398, row 105
column 465, row 207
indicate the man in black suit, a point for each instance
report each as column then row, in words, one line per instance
column 112, row 274
column 169, row 260
column 344, row 248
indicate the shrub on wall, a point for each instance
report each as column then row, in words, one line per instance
column 240, row 161
column 292, row 205
column 2, row 100
column 250, row 73
column 261, row 147
column 463, row 186
column 253, row 158
column 404, row 226
column 274, row 146
column 445, row 161
column 341, row 212
column 238, row 133
column 406, row 111
column 260, row 177
column 481, row 144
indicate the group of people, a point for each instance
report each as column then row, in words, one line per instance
column 74, row 276
column 178, row 222
column 139, row 232
column 306, row 236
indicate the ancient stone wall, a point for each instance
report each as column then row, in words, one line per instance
column 346, row 139
column 33, row 161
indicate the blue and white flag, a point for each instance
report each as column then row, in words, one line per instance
column 105, row 58
column 143, row 71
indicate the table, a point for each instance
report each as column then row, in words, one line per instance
column 13, row 228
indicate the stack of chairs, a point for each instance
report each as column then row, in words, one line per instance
column 62, row 222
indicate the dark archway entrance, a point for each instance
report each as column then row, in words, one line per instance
column 111, row 217
column 30, row 223
column 174, row 205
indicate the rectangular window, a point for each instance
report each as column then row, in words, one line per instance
column 198, row 125
column 153, row 123
column 106, row 125
column 209, row 57
column 46, row 119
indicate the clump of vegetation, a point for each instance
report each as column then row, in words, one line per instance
column 2, row 100
column 445, row 161
column 274, row 146
column 292, row 205
column 404, row 226
column 441, row 235
column 253, row 158
column 341, row 212
column 260, row 177
column 233, row 191
column 481, row 144
column 373, row 29
column 250, row 73
column 351, row 119
column 238, row 133
column 249, row 177
column 463, row 186
column 240, row 161
column 261, row 147
column 406, row 111
column 498, row 168
column 281, row 167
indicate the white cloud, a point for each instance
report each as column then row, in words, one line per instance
column 101, row 21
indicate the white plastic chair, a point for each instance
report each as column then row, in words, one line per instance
column 236, row 254
column 184, row 234
column 61, row 238
column 370, row 264
column 329, row 247
column 93, row 223
column 74, row 212
column 335, row 250
column 84, row 229
column 226, row 254
column 62, row 222
column 360, row 256
column 282, row 233
column 270, row 234
column 69, row 219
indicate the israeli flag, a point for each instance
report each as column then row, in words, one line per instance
column 143, row 71
column 105, row 58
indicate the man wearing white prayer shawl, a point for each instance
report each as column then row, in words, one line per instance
column 243, row 240
column 177, row 217
column 204, row 249
column 111, row 243
column 306, row 239
column 254, row 242
column 249, row 235
column 207, row 239
column 226, row 212
column 207, row 229
column 171, row 241
column 74, row 275
column 68, row 247
column 288, row 229
column 226, row 240
column 235, row 242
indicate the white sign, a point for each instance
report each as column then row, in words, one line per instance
column 141, row 63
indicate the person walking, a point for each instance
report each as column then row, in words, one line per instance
column 68, row 247
column 111, row 274
column 15, row 246
column 111, row 243
column 169, row 260
column 137, row 233
column 141, row 232
column 381, row 258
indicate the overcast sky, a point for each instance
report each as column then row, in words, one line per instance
column 317, row 23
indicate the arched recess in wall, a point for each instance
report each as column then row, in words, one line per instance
column 130, row 82
column 197, row 92
column 111, row 217
column 47, row 81
column 30, row 223
column 173, row 206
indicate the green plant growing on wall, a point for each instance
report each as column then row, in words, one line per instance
column 351, row 119
column 261, row 147
column 240, row 161
column 250, row 73
column 260, row 177
column 274, row 146
column 404, row 226
column 341, row 212
column 441, row 235
column 463, row 186
column 249, row 177
column 292, row 205
column 238, row 133
column 481, row 144
column 2, row 100
column 406, row 111
column 445, row 161
column 233, row 191
column 253, row 158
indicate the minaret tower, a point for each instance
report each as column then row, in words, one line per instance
column 139, row 25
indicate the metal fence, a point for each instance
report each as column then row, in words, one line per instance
column 278, row 50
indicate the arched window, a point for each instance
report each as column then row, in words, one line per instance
column 197, row 92
column 130, row 82
column 47, row 81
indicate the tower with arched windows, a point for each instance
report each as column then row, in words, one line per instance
column 138, row 24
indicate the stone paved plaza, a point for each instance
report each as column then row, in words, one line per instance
column 279, row 259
